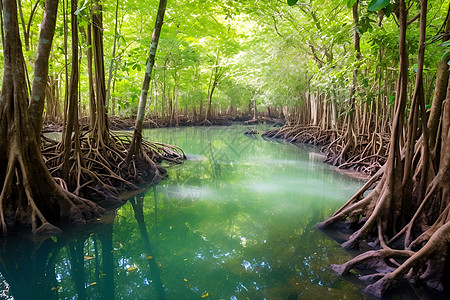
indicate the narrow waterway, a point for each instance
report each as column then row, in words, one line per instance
column 235, row 221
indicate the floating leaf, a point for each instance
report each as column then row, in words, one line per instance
column 185, row 279
column 149, row 257
column 94, row 283
column 205, row 294
column 56, row 288
column 88, row 257
column 132, row 268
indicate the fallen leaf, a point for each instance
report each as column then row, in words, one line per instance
column 94, row 283
column 185, row 279
column 132, row 268
column 88, row 257
column 149, row 257
column 205, row 294
column 56, row 288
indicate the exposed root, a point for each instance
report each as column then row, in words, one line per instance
column 101, row 170
column 364, row 153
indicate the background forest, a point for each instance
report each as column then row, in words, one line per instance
column 237, row 57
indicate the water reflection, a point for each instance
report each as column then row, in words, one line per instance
column 236, row 221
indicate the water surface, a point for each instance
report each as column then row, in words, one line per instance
column 235, row 221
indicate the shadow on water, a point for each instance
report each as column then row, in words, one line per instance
column 138, row 205
column 33, row 267
column 77, row 264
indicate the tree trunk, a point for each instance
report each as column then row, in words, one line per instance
column 101, row 129
column 439, row 91
column 349, row 140
column 41, row 65
column 71, row 131
column 136, row 144
column 112, row 64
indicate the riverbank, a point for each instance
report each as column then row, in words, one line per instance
column 365, row 155
column 359, row 164
column 117, row 123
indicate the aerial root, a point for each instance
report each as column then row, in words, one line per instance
column 374, row 259
column 367, row 154
column 434, row 251
column 99, row 168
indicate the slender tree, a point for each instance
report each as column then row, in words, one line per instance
column 136, row 150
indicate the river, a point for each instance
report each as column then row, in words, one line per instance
column 235, row 221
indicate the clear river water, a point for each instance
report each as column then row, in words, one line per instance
column 235, row 221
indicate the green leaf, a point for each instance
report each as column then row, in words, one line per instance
column 350, row 3
column 446, row 55
column 446, row 43
column 292, row 2
column 387, row 10
column 376, row 5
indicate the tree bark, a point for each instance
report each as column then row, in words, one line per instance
column 41, row 65
column 101, row 131
column 112, row 64
column 439, row 91
column 136, row 144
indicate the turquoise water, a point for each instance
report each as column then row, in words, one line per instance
column 235, row 221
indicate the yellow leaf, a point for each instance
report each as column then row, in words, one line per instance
column 94, row 283
column 205, row 294
column 56, row 288
column 88, row 257
column 132, row 268
column 185, row 279
column 149, row 257
column 91, row 234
